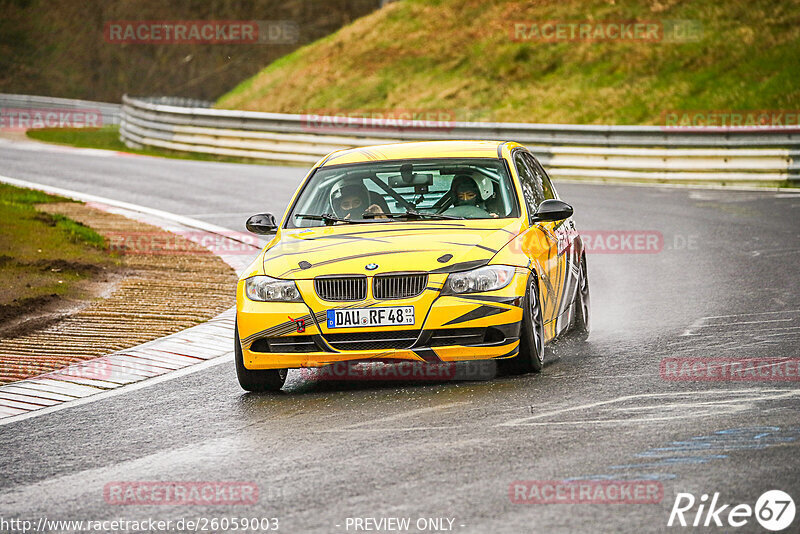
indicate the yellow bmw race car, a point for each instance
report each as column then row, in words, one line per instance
column 427, row 252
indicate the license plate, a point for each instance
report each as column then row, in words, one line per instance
column 360, row 317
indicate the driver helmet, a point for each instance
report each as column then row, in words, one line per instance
column 471, row 191
column 350, row 198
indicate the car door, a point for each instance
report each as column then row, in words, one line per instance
column 540, row 242
column 566, row 275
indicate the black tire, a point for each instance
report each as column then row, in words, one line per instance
column 258, row 380
column 582, row 325
column 531, row 335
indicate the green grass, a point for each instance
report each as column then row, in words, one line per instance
column 458, row 56
column 74, row 231
column 43, row 256
column 107, row 138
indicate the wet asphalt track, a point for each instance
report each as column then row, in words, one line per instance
column 321, row 451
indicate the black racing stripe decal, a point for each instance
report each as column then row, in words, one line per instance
column 288, row 327
column 346, row 236
column 511, row 301
column 549, row 304
column 354, row 257
column 306, row 251
column 378, row 154
column 282, row 329
column 463, row 266
column 360, row 235
column 478, row 313
column 565, row 283
column 336, row 155
column 273, row 331
column 561, row 273
column 329, row 157
column 368, row 154
column 493, row 251
column 429, row 355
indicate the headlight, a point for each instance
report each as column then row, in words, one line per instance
column 486, row 278
column 268, row 289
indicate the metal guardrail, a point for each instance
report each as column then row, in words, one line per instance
column 110, row 112
column 636, row 153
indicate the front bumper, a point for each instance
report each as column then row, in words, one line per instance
column 477, row 326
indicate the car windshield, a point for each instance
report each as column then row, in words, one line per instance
column 427, row 189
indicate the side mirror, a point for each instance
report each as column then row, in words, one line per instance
column 262, row 224
column 552, row 210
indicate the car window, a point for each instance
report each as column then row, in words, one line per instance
column 472, row 188
column 542, row 181
column 530, row 190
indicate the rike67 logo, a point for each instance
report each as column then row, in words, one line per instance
column 774, row 511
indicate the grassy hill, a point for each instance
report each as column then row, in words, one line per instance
column 459, row 56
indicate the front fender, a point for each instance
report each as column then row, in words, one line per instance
column 528, row 249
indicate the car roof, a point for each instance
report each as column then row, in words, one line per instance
column 415, row 150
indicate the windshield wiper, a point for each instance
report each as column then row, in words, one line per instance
column 411, row 214
column 327, row 218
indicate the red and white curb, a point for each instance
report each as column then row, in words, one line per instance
column 192, row 346
column 168, row 357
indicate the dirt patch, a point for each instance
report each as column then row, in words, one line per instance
column 9, row 312
column 58, row 266
column 147, row 297
column 30, row 315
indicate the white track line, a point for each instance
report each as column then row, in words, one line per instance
column 86, row 197
column 744, row 397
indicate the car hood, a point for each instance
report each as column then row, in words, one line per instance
column 440, row 246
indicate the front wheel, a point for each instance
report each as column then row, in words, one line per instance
column 531, row 340
column 255, row 380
